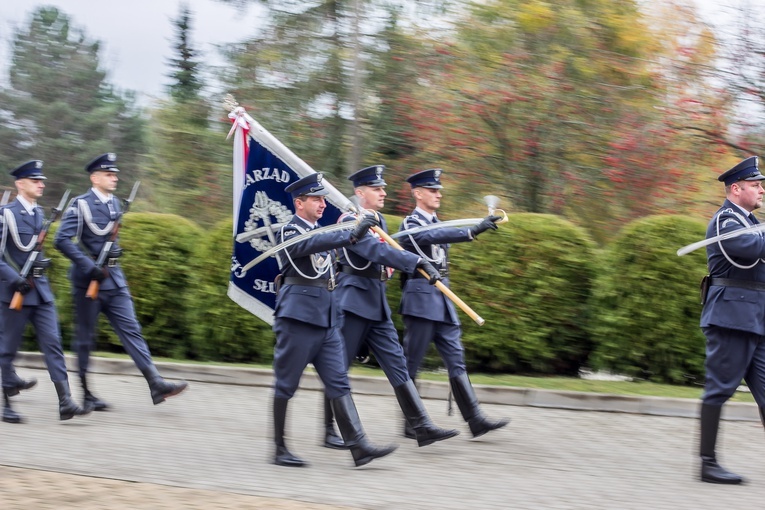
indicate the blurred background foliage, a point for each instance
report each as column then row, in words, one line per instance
column 553, row 302
column 593, row 111
column 585, row 117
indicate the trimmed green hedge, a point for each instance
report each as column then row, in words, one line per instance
column 157, row 264
column 530, row 280
column 220, row 329
column 552, row 302
column 645, row 309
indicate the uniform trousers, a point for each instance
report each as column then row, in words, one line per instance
column 45, row 321
column 419, row 333
column 733, row 355
column 299, row 343
column 117, row 306
column 382, row 339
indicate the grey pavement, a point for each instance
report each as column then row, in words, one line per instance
column 210, row 447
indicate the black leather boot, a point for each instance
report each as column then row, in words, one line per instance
column 331, row 439
column 408, row 430
column 470, row 409
column 355, row 438
column 160, row 388
column 425, row 431
column 711, row 471
column 283, row 457
column 9, row 415
column 91, row 400
column 67, row 408
column 18, row 384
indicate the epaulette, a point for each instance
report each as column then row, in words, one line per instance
column 419, row 222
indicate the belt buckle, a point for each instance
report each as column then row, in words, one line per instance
column 37, row 272
column 111, row 262
column 331, row 284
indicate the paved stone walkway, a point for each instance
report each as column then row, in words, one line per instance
column 210, row 448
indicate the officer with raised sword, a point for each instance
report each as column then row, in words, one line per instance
column 306, row 323
column 365, row 316
column 428, row 315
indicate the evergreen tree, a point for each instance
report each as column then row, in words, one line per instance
column 189, row 160
column 59, row 107
column 308, row 77
column 186, row 84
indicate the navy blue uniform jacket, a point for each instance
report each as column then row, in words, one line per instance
column 735, row 307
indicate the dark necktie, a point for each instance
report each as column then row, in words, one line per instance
column 753, row 219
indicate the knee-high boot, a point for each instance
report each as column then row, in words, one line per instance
column 355, row 438
column 469, row 408
column 425, row 431
column 18, row 384
column 331, row 439
column 159, row 387
column 67, row 408
column 9, row 415
column 89, row 398
column 711, row 471
column 283, row 457
column 409, row 432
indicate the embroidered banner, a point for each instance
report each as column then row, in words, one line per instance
column 262, row 169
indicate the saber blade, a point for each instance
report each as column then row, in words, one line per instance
column 756, row 229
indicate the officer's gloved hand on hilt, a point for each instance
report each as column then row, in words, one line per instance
column 433, row 274
column 97, row 274
column 22, row 286
column 487, row 223
column 365, row 223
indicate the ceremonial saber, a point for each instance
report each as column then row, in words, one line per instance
column 295, row 240
column 490, row 200
column 440, row 286
column 756, row 229
column 464, row 222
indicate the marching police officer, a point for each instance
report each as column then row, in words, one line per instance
column 18, row 384
column 85, row 229
column 732, row 317
column 305, row 322
column 21, row 225
column 428, row 315
column 366, row 317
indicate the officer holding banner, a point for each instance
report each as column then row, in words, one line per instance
column 732, row 318
column 85, row 229
column 366, row 316
column 306, row 325
column 22, row 223
column 428, row 315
